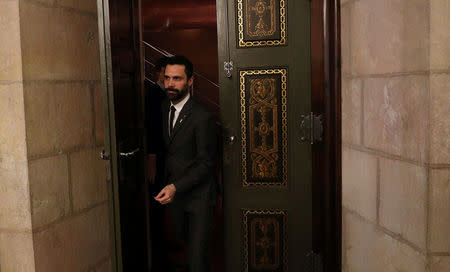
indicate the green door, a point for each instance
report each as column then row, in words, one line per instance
column 267, row 167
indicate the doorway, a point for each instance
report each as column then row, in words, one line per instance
column 275, row 90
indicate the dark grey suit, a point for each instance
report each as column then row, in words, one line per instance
column 190, row 166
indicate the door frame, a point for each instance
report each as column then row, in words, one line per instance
column 109, row 151
column 326, row 100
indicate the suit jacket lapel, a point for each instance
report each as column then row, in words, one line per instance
column 184, row 114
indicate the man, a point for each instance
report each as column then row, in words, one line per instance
column 190, row 146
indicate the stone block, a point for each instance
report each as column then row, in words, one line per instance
column 16, row 252
column 15, row 211
column 440, row 119
column 75, row 244
column 58, row 44
column 396, row 115
column 389, row 36
column 58, row 117
column 83, row 5
column 440, row 35
column 359, row 183
column 49, row 186
column 88, row 180
column 105, row 267
column 46, row 2
column 403, row 196
column 439, row 264
column 351, row 111
column 10, row 55
column 99, row 123
column 345, row 39
column 12, row 123
column 439, row 211
column 370, row 250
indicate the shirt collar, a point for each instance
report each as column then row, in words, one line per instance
column 179, row 106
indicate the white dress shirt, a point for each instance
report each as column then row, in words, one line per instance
column 178, row 107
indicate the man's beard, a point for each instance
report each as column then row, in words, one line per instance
column 178, row 95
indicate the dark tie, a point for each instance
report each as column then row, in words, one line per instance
column 172, row 116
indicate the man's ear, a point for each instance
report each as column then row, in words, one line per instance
column 190, row 81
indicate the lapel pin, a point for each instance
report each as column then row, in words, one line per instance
column 181, row 120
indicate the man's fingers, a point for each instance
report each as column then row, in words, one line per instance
column 161, row 194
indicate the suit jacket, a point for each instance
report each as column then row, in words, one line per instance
column 190, row 154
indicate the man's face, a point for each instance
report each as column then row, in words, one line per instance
column 176, row 82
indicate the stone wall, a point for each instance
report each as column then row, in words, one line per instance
column 16, row 240
column 54, row 210
column 396, row 122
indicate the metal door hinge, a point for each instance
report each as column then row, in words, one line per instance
column 311, row 128
column 228, row 68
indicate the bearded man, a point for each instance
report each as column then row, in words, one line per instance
column 189, row 133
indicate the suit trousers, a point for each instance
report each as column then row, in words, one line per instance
column 194, row 227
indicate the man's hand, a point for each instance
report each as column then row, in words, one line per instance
column 166, row 195
column 151, row 171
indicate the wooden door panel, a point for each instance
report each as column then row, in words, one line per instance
column 268, row 172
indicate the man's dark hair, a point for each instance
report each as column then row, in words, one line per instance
column 161, row 63
column 182, row 60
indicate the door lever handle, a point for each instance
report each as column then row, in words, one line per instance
column 129, row 154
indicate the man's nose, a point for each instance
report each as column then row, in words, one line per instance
column 169, row 83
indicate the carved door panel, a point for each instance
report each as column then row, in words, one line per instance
column 268, row 168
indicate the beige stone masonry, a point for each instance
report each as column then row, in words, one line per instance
column 88, row 178
column 16, row 252
column 359, row 188
column 12, row 123
column 49, row 186
column 105, row 266
column 53, row 207
column 345, row 40
column 10, row 53
column 439, row 209
column 389, row 36
column 368, row 249
column 59, row 117
column 351, row 111
column 74, row 244
column 440, row 119
column 58, row 44
column 15, row 214
column 396, row 116
column 440, row 35
column 439, row 264
column 403, row 196
column 83, row 5
column 400, row 51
